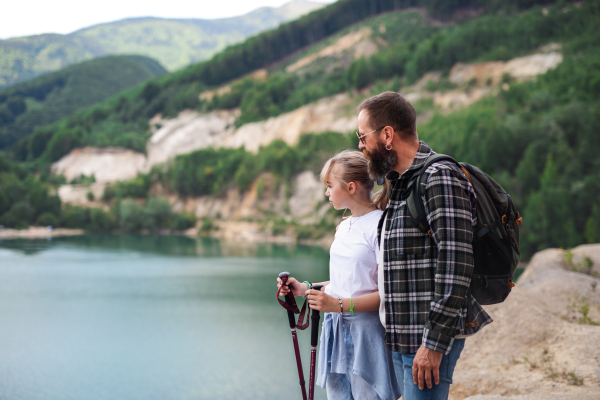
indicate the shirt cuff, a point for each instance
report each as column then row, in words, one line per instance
column 437, row 341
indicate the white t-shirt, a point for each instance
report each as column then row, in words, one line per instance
column 353, row 257
column 380, row 278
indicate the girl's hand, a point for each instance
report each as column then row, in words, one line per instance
column 321, row 301
column 296, row 287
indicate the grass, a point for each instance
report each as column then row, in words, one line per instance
column 586, row 265
column 581, row 310
column 546, row 364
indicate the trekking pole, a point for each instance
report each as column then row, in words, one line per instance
column 314, row 338
column 292, row 308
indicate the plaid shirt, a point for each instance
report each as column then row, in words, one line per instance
column 427, row 279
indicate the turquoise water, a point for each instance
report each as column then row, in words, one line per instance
column 148, row 317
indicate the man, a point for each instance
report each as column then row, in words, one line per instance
column 423, row 279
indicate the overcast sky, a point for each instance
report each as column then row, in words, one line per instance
column 32, row 17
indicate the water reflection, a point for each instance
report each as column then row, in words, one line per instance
column 166, row 245
column 148, row 317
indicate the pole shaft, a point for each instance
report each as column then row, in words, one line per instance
column 311, row 382
column 299, row 363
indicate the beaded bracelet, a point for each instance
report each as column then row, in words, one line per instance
column 341, row 306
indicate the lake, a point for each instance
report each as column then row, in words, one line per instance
column 127, row 317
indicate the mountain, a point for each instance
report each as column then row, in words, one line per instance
column 56, row 95
column 175, row 43
column 239, row 137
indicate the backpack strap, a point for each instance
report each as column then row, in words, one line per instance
column 502, row 220
column 416, row 208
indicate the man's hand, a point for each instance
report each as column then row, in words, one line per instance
column 426, row 362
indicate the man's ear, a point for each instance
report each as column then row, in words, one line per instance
column 388, row 135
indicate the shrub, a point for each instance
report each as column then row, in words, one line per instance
column 83, row 180
column 207, row 226
column 131, row 215
column 75, row 217
column 101, row 221
column 109, row 193
column 157, row 214
column 22, row 212
column 186, row 220
column 47, row 219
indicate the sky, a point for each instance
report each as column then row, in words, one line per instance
column 33, row 17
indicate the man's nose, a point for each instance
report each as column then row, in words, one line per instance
column 361, row 145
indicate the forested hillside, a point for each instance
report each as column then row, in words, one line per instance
column 175, row 43
column 538, row 138
column 416, row 47
column 57, row 95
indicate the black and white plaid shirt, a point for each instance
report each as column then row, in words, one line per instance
column 426, row 279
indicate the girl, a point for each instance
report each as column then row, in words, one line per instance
column 354, row 362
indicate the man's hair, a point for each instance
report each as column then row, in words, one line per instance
column 391, row 109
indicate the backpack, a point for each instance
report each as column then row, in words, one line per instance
column 496, row 250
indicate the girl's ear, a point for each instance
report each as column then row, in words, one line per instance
column 351, row 187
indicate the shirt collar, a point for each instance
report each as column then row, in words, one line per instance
column 423, row 153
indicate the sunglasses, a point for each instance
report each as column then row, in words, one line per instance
column 361, row 137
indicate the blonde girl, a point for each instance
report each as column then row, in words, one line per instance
column 354, row 362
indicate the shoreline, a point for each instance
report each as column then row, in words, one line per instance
column 247, row 235
column 38, row 232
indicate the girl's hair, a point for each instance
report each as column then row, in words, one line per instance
column 355, row 169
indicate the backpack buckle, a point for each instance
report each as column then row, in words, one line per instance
column 483, row 281
column 429, row 233
column 504, row 219
column 519, row 220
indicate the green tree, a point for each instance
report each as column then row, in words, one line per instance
column 549, row 214
column 131, row 216
column 157, row 214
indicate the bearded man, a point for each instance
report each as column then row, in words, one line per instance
column 423, row 278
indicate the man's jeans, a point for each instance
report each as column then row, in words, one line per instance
column 403, row 365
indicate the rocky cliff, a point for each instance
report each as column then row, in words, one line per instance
column 544, row 342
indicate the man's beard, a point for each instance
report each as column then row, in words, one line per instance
column 381, row 161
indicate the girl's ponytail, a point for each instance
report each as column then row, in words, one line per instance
column 381, row 198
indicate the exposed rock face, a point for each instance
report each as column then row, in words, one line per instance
column 266, row 194
column 78, row 194
column 235, row 212
column 309, row 193
column 519, row 68
column 188, row 132
column 108, row 164
column 535, row 349
column 486, row 77
column 191, row 130
column 330, row 114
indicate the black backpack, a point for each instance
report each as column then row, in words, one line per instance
column 496, row 238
